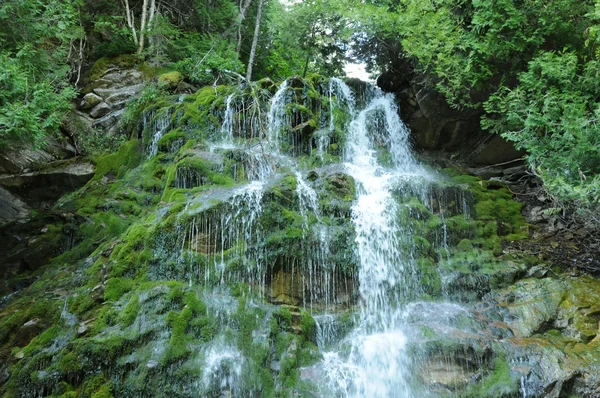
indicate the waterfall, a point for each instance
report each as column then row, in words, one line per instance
column 376, row 155
column 277, row 117
column 158, row 124
column 227, row 127
column 377, row 363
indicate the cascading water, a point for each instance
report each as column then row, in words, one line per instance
column 377, row 156
column 377, row 364
column 158, row 125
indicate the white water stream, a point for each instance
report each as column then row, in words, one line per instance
column 377, row 155
column 377, row 364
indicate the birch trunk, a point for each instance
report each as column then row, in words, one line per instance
column 130, row 21
column 143, row 27
column 254, row 41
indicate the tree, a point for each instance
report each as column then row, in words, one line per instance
column 36, row 39
column 254, row 41
column 147, row 22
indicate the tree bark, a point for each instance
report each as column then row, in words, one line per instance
column 309, row 50
column 254, row 41
column 143, row 27
column 130, row 21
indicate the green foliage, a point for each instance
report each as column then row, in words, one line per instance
column 34, row 66
column 473, row 46
column 205, row 59
column 532, row 67
column 306, row 37
column 552, row 114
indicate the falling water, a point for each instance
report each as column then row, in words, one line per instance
column 277, row 117
column 377, row 363
column 157, row 125
column 378, row 157
column 227, row 127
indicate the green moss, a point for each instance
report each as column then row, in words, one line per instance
column 69, row 364
column 130, row 311
column 427, row 332
column 498, row 383
column 192, row 315
column 128, row 258
column 117, row 287
column 429, row 275
column 104, row 392
column 170, row 80
column 308, row 325
column 128, row 155
column 97, row 387
column 82, row 303
column 172, row 141
column 465, row 245
column 100, row 67
column 42, row 341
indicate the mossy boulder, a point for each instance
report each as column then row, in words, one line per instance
column 170, row 80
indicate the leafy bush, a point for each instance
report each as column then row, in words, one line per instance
column 552, row 113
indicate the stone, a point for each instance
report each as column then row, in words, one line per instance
column 497, row 150
column 343, row 184
column 89, row 101
column 108, row 92
column 27, row 332
column 12, row 207
column 441, row 373
column 41, row 187
column 100, row 110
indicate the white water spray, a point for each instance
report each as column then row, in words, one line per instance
column 377, row 364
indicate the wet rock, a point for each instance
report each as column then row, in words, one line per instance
column 20, row 160
column 312, row 176
column 27, row 332
column 12, row 207
column 439, row 373
column 100, row 110
column 342, row 184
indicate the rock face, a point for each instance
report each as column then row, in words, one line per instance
column 542, row 333
column 435, row 126
column 42, row 188
column 34, row 179
column 101, row 108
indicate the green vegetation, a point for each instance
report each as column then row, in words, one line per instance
column 532, row 69
column 159, row 271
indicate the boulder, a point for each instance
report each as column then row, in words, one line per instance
column 12, row 207
column 496, row 151
column 100, row 110
column 40, row 187
column 89, row 101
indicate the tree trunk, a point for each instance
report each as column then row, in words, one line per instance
column 244, row 5
column 254, row 41
column 309, row 50
column 130, row 21
column 143, row 26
